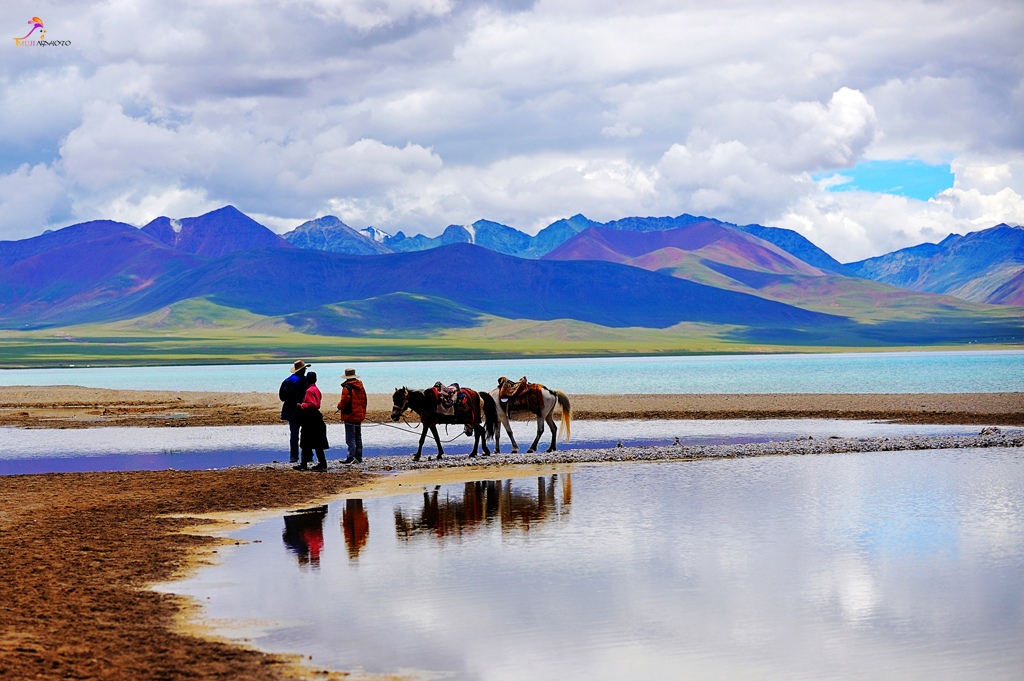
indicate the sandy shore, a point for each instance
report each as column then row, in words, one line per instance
column 80, row 550
column 76, row 407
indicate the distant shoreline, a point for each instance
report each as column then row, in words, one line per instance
column 77, row 407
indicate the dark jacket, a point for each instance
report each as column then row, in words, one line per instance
column 291, row 393
column 352, row 404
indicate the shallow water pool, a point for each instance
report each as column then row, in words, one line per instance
column 120, row 449
column 904, row 565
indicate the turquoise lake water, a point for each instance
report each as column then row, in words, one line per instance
column 882, row 372
column 896, row 565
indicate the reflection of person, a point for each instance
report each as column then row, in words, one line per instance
column 355, row 525
column 352, row 406
column 314, row 430
column 292, row 391
column 304, row 535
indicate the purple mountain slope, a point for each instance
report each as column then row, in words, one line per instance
column 711, row 240
column 973, row 266
column 225, row 230
column 13, row 251
column 78, row 278
column 602, row 293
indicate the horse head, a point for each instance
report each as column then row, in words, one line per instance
column 400, row 400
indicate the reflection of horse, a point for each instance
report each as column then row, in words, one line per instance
column 473, row 408
column 483, row 503
column 538, row 399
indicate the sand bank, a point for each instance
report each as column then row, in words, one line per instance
column 76, row 407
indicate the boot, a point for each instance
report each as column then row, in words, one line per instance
column 321, row 461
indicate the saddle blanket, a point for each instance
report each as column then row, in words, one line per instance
column 448, row 397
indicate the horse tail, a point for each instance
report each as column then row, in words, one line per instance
column 490, row 415
column 563, row 401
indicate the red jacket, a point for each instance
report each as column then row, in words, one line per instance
column 352, row 404
column 313, row 398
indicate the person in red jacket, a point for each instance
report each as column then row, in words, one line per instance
column 314, row 430
column 352, row 406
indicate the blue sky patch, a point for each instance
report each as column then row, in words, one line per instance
column 910, row 178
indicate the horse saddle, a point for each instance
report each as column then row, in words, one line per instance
column 514, row 395
column 448, row 396
column 509, row 389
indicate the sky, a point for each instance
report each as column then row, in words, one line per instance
column 866, row 126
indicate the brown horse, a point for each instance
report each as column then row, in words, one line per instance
column 476, row 407
column 538, row 400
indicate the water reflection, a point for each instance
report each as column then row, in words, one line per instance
column 485, row 502
column 355, row 526
column 903, row 565
column 304, row 535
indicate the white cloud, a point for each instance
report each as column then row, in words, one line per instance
column 414, row 114
column 30, row 197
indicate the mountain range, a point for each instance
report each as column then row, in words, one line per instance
column 750, row 284
column 984, row 267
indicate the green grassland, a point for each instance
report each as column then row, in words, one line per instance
column 199, row 331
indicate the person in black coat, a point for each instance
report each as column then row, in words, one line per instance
column 292, row 393
column 314, row 429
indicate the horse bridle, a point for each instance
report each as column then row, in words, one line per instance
column 396, row 411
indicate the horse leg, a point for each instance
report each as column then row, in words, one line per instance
column 554, row 429
column 476, row 439
column 483, row 440
column 540, row 431
column 505, row 421
column 419, row 450
column 437, row 439
column 511, row 437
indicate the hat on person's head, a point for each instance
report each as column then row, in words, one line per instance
column 299, row 365
column 311, row 376
column 350, row 373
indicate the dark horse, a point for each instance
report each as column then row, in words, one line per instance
column 474, row 408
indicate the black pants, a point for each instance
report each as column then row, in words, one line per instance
column 294, row 423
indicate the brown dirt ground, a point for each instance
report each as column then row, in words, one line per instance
column 79, row 551
column 75, row 407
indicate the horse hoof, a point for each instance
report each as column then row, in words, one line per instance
column 472, row 455
column 416, row 457
column 530, row 451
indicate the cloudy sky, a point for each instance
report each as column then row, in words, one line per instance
column 867, row 126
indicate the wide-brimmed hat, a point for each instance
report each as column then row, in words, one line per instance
column 350, row 373
column 299, row 365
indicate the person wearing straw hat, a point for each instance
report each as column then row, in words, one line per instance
column 352, row 406
column 292, row 393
